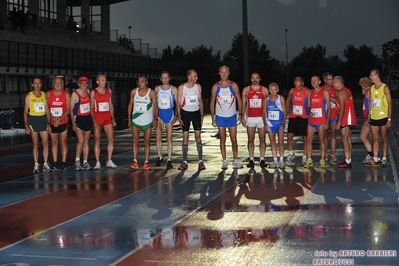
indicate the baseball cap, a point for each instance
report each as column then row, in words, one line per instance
column 83, row 78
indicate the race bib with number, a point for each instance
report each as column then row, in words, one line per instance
column 317, row 112
column 56, row 111
column 192, row 100
column 39, row 107
column 255, row 103
column 297, row 110
column 84, row 108
column 376, row 103
column 333, row 105
column 224, row 100
column 273, row 115
column 140, row 107
column 164, row 101
column 103, row 107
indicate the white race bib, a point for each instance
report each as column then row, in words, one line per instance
column 376, row 103
column 224, row 100
column 255, row 103
column 164, row 101
column 297, row 110
column 84, row 108
column 38, row 107
column 140, row 107
column 103, row 107
column 191, row 100
column 273, row 115
column 56, row 111
column 317, row 112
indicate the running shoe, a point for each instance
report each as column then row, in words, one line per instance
column 304, row 159
column 54, row 166
column 134, row 165
column 372, row 163
column 97, row 166
column 46, row 168
column 147, row 166
column 110, row 164
column 290, row 157
column 344, row 164
column 169, row 164
column 384, row 163
column 262, row 163
column 63, row 168
column 333, row 158
column 281, row 165
column 237, row 164
column 322, row 163
column 201, row 165
column 273, row 165
column 86, row 166
column 308, row 163
column 225, row 165
column 159, row 161
column 183, row 166
column 77, row 166
column 367, row 159
column 36, row 168
column 251, row 164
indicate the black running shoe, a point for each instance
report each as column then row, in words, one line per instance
column 63, row 168
column 169, row 164
column 250, row 164
column 159, row 161
column 263, row 163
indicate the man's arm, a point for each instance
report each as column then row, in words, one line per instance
column 92, row 107
column 178, row 106
column 287, row 102
column 239, row 101
column 153, row 98
column 387, row 92
column 201, row 104
column 74, row 98
column 244, row 105
column 111, row 108
column 212, row 104
column 130, row 108
column 26, row 112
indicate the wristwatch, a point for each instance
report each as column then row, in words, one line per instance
column 389, row 119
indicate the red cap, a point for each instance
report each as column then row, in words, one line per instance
column 83, row 78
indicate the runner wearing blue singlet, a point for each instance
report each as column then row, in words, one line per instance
column 275, row 117
column 167, row 100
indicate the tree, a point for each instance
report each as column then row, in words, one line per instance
column 390, row 54
column 311, row 61
column 177, row 53
column 125, row 42
column 259, row 60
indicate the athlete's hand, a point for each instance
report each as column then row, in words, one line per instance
column 266, row 128
column 338, row 125
column 74, row 127
column 154, row 124
column 174, row 120
column 239, row 120
column 28, row 131
column 113, row 122
column 213, row 122
column 326, row 125
column 181, row 122
column 244, row 123
column 389, row 124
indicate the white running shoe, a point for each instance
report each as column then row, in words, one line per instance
column 273, row 165
column 77, row 166
column 225, row 165
column 304, row 159
column 110, row 164
column 36, row 168
column 290, row 157
column 237, row 164
column 86, row 166
column 97, row 166
column 46, row 168
column 281, row 165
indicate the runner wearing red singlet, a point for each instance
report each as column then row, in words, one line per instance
column 319, row 119
column 298, row 121
column 346, row 119
column 102, row 112
column 328, row 78
column 254, row 111
column 58, row 101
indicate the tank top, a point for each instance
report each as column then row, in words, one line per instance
column 165, row 98
column 274, row 110
column 101, row 101
column 365, row 108
column 379, row 103
column 82, row 106
column 142, row 113
column 57, row 105
column 299, row 103
column 225, row 101
column 254, row 102
column 318, row 107
column 190, row 101
column 37, row 105
column 333, row 106
column 349, row 116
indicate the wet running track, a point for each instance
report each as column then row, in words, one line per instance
column 167, row 217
